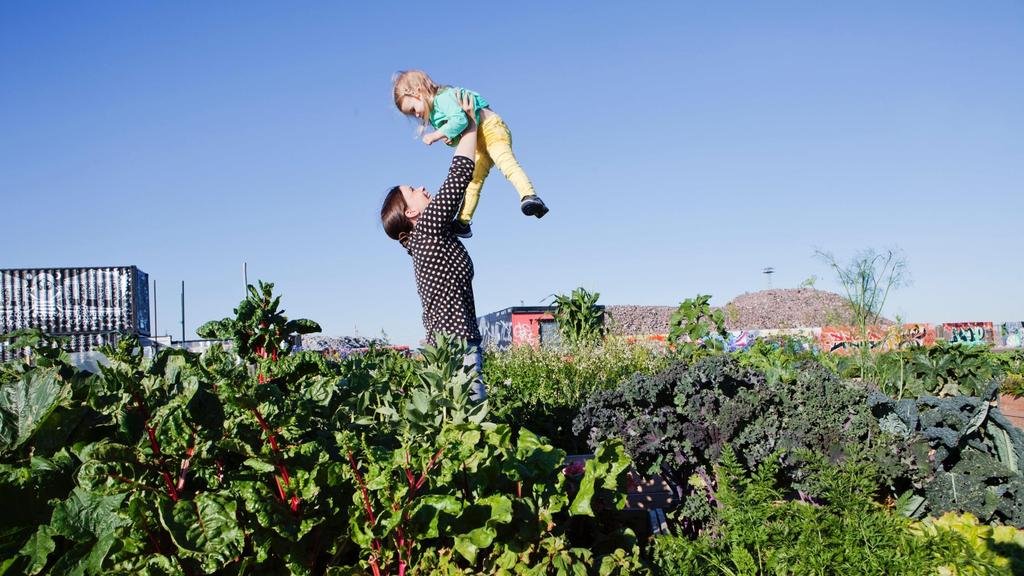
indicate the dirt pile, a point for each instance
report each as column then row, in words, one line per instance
column 766, row 309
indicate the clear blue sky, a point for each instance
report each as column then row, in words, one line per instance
column 681, row 146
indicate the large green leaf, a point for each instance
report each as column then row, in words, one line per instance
column 429, row 510
column 25, row 404
column 604, row 473
column 205, row 527
column 85, row 515
column 301, row 326
column 470, row 543
column 38, row 549
column 217, row 329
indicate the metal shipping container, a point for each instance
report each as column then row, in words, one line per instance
column 91, row 305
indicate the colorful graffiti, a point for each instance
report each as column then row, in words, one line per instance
column 968, row 333
column 1011, row 335
column 512, row 327
column 740, row 340
column 496, row 330
column 842, row 339
column 526, row 328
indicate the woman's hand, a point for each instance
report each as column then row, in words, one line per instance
column 467, row 142
column 468, row 104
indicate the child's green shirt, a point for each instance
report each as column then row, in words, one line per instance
column 447, row 115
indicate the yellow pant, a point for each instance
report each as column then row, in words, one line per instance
column 494, row 146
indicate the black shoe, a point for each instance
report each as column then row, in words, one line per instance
column 461, row 229
column 532, row 205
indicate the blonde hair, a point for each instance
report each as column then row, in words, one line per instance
column 415, row 83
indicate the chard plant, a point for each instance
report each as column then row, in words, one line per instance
column 257, row 459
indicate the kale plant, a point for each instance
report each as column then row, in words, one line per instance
column 678, row 421
column 954, row 454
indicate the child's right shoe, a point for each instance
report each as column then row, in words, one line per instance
column 532, row 205
column 461, row 229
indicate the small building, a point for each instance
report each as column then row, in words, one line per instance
column 86, row 307
column 518, row 325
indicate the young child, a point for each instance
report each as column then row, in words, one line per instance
column 418, row 96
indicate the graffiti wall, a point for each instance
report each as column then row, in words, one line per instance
column 1011, row 335
column 842, row 339
column 968, row 333
column 526, row 328
column 496, row 329
column 534, row 326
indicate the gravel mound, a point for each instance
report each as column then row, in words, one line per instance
column 319, row 342
column 637, row 320
column 787, row 308
column 766, row 309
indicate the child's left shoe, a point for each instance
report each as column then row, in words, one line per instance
column 532, row 205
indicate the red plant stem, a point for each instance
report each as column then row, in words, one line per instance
column 433, row 461
column 151, row 433
column 171, row 491
column 272, row 439
column 362, row 487
column 373, row 564
column 280, row 490
column 152, row 537
column 187, row 462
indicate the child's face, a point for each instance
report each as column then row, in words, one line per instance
column 412, row 106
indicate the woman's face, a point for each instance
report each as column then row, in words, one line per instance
column 416, row 199
column 412, row 105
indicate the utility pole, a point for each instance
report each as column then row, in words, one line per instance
column 155, row 331
column 183, row 312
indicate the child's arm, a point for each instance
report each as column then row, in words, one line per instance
column 447, row 103
column 438, row 215
column 434, row 137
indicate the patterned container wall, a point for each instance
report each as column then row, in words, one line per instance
column 89, row 305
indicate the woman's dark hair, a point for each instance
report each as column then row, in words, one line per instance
column 392, row 215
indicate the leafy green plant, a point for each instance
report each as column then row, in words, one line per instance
column 695, row 324
column 677, row 422
column 496, row 500
column 992, row 549
column 281, row 462
column 1011, row 369
column 955, row 454
column 946, row 369
column 580, row 321
column 867, row 280
column 758, row 530
column 542, row 389
column 258, row 327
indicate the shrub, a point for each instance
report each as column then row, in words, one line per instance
column 543, row 389
column 677, row 421
column 758, row 531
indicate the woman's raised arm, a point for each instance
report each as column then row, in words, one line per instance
column 467, row 144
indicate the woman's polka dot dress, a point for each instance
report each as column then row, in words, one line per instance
column 444, row 270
